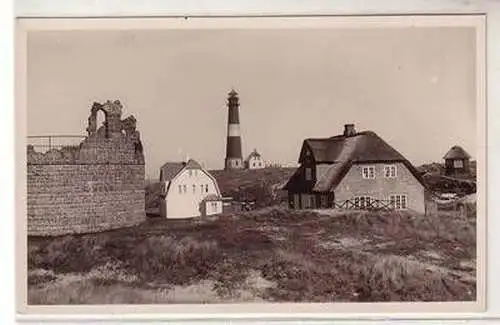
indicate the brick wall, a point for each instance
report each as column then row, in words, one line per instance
column 84, row 198
column 96, row 186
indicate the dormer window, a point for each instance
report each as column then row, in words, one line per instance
column 368, row 172
column 458, row 164
column 390, row 171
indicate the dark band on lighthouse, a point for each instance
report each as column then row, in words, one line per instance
column 234, row 156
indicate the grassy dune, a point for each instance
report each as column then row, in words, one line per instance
column 270, row 254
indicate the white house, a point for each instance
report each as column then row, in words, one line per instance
column 188, row 191
column 254, row 161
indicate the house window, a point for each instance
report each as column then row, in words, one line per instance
column 362, row 202
column 190, row 173
column 184, row 187
column 399, row 201
column 253, row 164
column 206, row 188
column 308, row 174
column 390, row 171
column 180, row 189
column 458, row 164
column 194, row 188
column 368, row 172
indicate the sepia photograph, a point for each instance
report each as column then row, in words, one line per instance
column 325, row 161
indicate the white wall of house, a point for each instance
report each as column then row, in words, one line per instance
column 256, row 163
column 186, row 194
column 380, row 187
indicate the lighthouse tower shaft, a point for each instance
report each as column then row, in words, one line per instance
column 234, row 157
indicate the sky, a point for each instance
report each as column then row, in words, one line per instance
column 415, row 87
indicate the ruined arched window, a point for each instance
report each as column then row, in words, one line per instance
column 101, row 120
column 97, row 119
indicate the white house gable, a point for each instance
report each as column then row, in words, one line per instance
column 255, row 163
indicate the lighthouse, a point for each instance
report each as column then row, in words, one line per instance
column 234, row 156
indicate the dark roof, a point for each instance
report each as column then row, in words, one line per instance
column 456, row 152
column 193, row 164
column 170, row 169
column 212, row 197
column 334, row 157
column 254, row 153
column 331, row 176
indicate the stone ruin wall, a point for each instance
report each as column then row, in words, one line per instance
column 96, row 186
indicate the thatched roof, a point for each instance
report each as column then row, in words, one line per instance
column 456, row 152
column 363, row 147
column 334, row 157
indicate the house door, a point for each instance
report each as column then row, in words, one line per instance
column 296, row 201
column 308, row 201
column 323, row 201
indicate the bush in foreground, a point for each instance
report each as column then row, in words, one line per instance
column 308, row 256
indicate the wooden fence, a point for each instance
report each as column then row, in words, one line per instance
column 371, row 204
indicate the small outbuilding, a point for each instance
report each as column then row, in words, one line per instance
column 254, row 161
column 456, row 162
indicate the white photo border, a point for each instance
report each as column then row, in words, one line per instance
column 491, row 12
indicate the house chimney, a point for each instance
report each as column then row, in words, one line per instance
column 349, row 130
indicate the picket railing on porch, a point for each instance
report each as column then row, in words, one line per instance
column 371, row 204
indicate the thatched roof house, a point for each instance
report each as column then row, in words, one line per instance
column 354, row 166
column 456, row 162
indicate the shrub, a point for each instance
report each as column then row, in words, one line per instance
column 174, row 261
column 68, row 254
column 40, row 278
column 394, row 278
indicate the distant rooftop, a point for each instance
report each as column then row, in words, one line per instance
column 456, row 152
column 170, row 169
